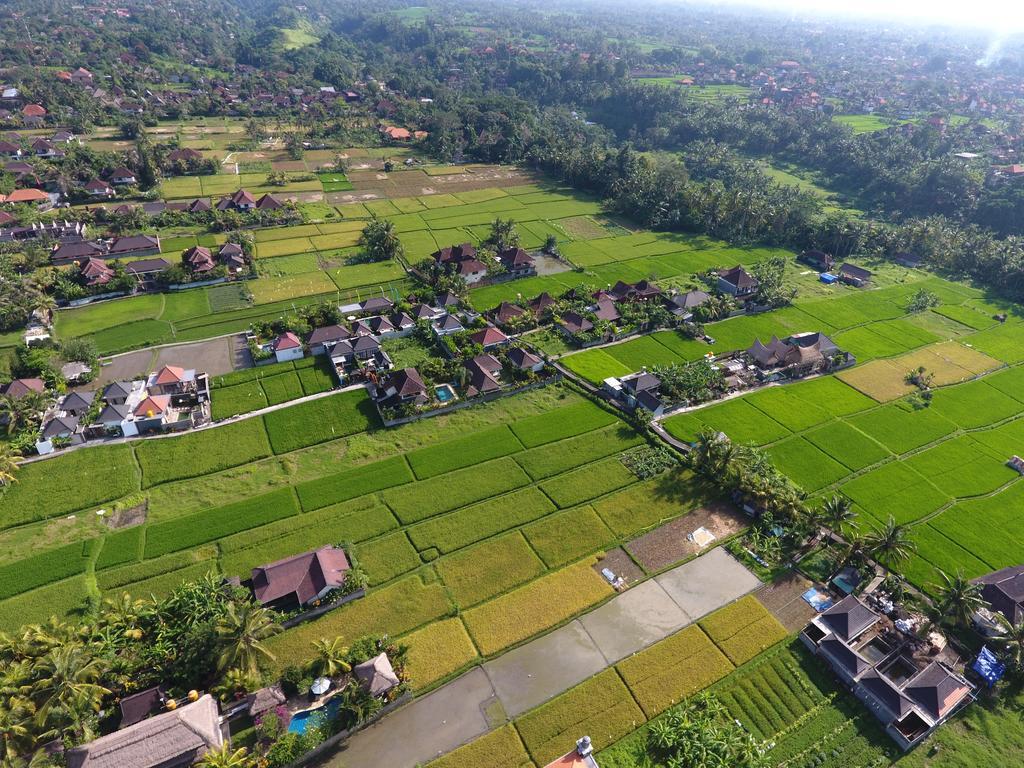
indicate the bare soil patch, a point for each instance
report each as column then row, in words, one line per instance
column 667, row 544
column 126, row 518
column 618, row 562
column 783, row 598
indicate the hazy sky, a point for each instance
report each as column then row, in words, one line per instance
column 996, row 15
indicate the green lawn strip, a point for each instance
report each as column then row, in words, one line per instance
column 738, row 419
column 901, row 428
column 282, row 388
column 962, row 467
column 447, row 533
column 353, row 483
column 990, row 528
column 595, row 365
column 600, row 707
column 568, row 536
column 589, row 482
column 805, row 464
column 38, row 570
column 203, row 452
column 528, row 610
column 847, row 445
column 393, row 610
column 974, row 404
column 38, row 605
column 318, row 421
column 387, row 557
column 202, row 527
column 555, row 458
column 489, row 568
column 650, row 502
column 561, row 423
column 121, row 547
column 464, row 451
column 86, row 480
column 240, row 398
column 426, row 498
column 895, row 490
column 791, row 411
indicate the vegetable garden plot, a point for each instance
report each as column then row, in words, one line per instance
column 393, row 610
column 568, row 536
column 540, row 605
column 805, row 464
column 847, row 445
column 901, row 428
column 464, row 451
column 558, row 424
column 894, row 490
column 469, row 525
column 738, row 419
column 489, row 568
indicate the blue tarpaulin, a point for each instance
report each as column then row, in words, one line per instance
column 989, row 667
column 825, row 277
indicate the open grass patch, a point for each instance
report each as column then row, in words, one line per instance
column 540, row 605
column 188, row 531
column 437, row 651
column 352, row 483
column 489, row 568
column 86, row 480
column 587, row 483
column 600, row 707
column 480, row 521
column 561, row 423
column 464, row 451
column 394, row 610
column 456, row 489
column 318, row 421
column 568, row 536
column 202, row 452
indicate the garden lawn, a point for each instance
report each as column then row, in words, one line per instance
column 587, row 483
column 600, row 707
column 540, row 605
column 85, row 481
column 561, row 423
column 437, row 651
column 443, row 493
column 318, row 421
column 394, row 610
column 805, row 464
column 738, row 419
column 203, row 452
column 469, row 450
column 489, row 568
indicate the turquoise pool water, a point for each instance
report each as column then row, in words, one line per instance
column 312, row 718
column 444, row 394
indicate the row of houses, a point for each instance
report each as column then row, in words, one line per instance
column 465, row 260
column 171, row 399
column 242, row 200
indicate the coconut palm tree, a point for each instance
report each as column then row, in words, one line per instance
column 225, row 757
column 15, row 720
column 8, row 465
column 890, row 544
column 837, row 513
column 66, row 689
column 329, row 659
column 1010, row 639
column 958, row 598
column 242, row 630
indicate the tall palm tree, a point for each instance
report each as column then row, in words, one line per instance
column 66, row 689
column 890, row 544
column 8, row 465
column 329, row 659
column 242, row 630
column 1011, row 639
column 837, row 513
column 225, row 757
column 959, row 599
column 15, row 721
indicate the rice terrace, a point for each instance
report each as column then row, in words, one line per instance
column 458, row 386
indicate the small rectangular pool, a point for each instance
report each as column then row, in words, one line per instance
column 313, row 718
column 444, row 393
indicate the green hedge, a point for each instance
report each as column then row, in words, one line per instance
column 195, row 454
column 466, row 451
column 45, row 568
column 456, row 489
column 320, row 420
column 352, row 483
column 121, row 547
column 68, row 483
column 212, row 524
column 561, row 423
column 555, row 458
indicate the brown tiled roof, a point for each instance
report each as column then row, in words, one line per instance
column 407, row 382
column 170, row 374
column 738, row 276
column 303, row 575
column 21, row 387
column 488, row 336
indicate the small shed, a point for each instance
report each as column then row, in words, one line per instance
column 376, row 675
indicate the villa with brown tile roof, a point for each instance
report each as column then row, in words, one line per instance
column 300, row 579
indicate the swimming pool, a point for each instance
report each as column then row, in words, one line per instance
column 312, row 718
column 444, row 393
